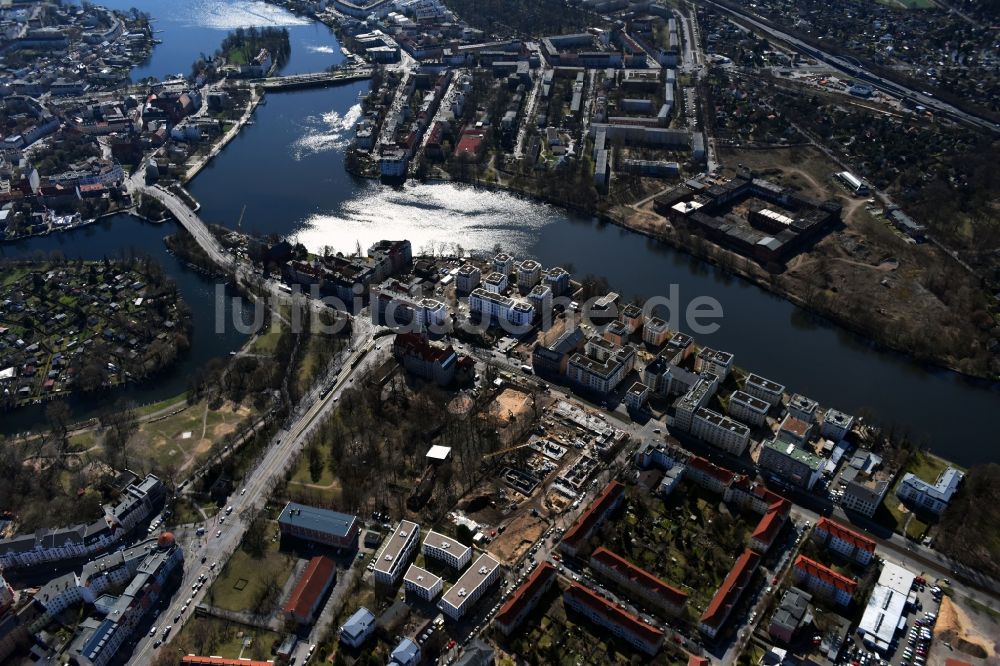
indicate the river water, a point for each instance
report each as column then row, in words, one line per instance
column 287, row 168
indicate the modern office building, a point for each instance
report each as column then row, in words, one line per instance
column 330, row 528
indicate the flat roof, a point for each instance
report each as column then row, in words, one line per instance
column 438, row 540
column 421, row 577
column 404, row 533
column 472, row 579
column 321, row 520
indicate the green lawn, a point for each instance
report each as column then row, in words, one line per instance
column 245, row 579
column 162, row 404
column 209, row 635
column 926, row 466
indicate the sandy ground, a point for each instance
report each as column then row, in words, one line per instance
column 520, row 534
column 968, row 633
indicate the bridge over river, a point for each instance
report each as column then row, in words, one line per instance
column 311, row 80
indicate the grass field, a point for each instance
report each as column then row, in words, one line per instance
column 209, row 635
column 162, row 404
column 325, row 490
column 181, row 440
column 245, row 579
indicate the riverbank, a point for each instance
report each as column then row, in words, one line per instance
column 637, row 221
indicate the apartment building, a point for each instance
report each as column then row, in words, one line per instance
column 720, row 431
column 603, row 506
column 467, row 278
column 495, row 307
column 422, row 583
column 803, row 408
column 631, row 316
column 924, row 496
column 529, row 274
column 696, row 398
column 620, row 623
column 748, row 409
column 655, row 332
column 791, row 463
column 525, row 598
column 358, row 628
column 557, row 279
column 396, row 552
column 503, row 263
column 764, row 389
column 598, row 376
column 823, row 581
column 470, row 587
column 864, row 491
column 310, row 590
column 638, row 581
column 496, row 283
column 836, row 425
column 445, row 549
column 795, row 430
column 540, row 298
column 845, row 541
column 726, row 598
column 719, row 363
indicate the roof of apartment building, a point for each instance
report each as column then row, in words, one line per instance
column 771, row 523
column 640, row 577
column 721, row 474
column 844, row 534
column 311, row 586
column 731, row 589
column 588, row 519
column 622, row 618
column 523, row 594
column 825, row 573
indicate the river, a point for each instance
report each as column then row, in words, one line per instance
column 287, row 168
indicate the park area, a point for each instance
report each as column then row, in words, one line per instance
column 251, row 583
column 690, row 540
column 213, row 636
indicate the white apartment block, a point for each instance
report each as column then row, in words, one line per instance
column 422, row 583
column 496, row 283
column 748, row 409
column 719, row 363
column 467, row 278
column 600, row 376
column 696, row 398
column 503, row 263
column 764, row 389
column 500, row 308
column 529, row 273
column 836, row 425
column 396, row 552
column 720, row 431
column 934, row 498
column 803, row 408
column 440, row 547
column 468, row 589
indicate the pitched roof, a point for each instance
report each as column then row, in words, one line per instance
column 720, row 473
column 523, row 594
column 311, row 586
column 622, row 618
column 588, row 520
column 640, row 577
column 844, row 534
column 731, row 589
column 772, row 521
column 826, row 574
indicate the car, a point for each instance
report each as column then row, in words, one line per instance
column 152, row 631
column 222, row 520
column 189, row 600
column 218, row 534
column 157, row 643
column 177, row 618
column 243, row 492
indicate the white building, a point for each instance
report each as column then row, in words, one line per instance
column 529, row 273
column 719, row 363
column 396, row 552
column 356, row 630
column 496, row 282
column 468, row 589
column 836, row 425
column 467, row 278
column 495, row 307
column 803, row 408
column 422, row 583
column 934, row 498
column 440, row 547
column 503, row 263
column 747, row 408
column 764, row 389
column 720, row 431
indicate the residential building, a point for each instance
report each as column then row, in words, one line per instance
column 496, row 307
column 803, row 408
column 575, row 538
column 709, row 475
column 638, row 581
column 795, row 430
column 655, row 332
column 720, row 431
column 620, row 623
column 926, row 497
column 467, row 278
column 496, row 282
column 432, row 361
column 696, row 398
column 396, row 552
column 616, row 333
column 864, row 491
column 793, row 612
column 450, row 551
column 791, row 463
column 311, row 589
column 764, row 389
column 422, row 583
column 631, row 316
column 553, row 358
column 468, row 589
column 847, row 542
column 836, row 425
column 767, row 530
column 719, row 363
column 748, row 409
column 540, row 298
column 598, row 376
column 529, row 274
column 557, row 279
column 728, row 595
column 525, row 598
column 636, row 396
column 406, row 653
column 331, row 528
column 503, row 263
column 824, row 581
column 358, row 628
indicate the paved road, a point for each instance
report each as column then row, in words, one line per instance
column 222, row 539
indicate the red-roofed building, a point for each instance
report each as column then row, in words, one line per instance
column 728, row 594
column 605, row 503
column 709, row 475
column 222, row 661
column 638, row 581
column 823, row 580
column 695, row 660
column 525, row 598
column 748, row 494
column 470, row 144
column 316, row 580
column 770, row 525
column 620, row 623
column 845, row 541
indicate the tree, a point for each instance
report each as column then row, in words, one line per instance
column 119, row 426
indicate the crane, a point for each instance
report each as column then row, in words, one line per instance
column 239, row 222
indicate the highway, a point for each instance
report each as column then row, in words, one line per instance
column 221, row 540
column 851, row 67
